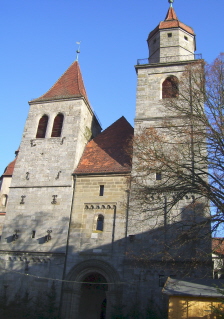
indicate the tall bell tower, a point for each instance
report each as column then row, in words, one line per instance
column 57, row 129
column 154, row 228
column 171, row 47
column 171, row 40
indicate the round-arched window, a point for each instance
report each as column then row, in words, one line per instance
column 42, row 127
column 99, row 223
column 57, row 126
column 170, row 87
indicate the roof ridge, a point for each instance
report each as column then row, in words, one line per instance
column 108, row 152
column 81, row 79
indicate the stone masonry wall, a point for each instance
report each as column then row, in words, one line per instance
column 41, row 194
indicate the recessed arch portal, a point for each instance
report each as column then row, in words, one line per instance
column 93, row 299
column 86, row 276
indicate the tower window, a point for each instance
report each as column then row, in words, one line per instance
column 154, row 41
column 185, row 38
column 158, row 176
column 169, row 35
column 57, row 126
column 33, row 234
column 99, row 223
column 4, row 199
column 101, row 190
column 42, row 127
column 162, row 280
column 170, row 87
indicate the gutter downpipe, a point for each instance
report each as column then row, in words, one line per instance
column 67, row 245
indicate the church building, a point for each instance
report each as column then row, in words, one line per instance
column 67, row 211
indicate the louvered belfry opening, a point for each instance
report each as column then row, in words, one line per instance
column 57, row 127
column 170, row 87
column 42, row 127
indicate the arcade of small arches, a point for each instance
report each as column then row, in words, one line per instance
column 100, row 206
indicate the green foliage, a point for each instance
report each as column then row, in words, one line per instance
column 19, row 307
column 44, row 306
column 135, row 312
column 218, row 311
column 118, row 311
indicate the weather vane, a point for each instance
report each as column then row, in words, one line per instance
column 78, row 50
column 171, row 2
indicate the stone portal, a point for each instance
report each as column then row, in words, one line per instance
column 93, row 299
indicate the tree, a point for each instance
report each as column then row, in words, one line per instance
column 183, row 156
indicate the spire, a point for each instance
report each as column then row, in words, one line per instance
column 171, row 21
column 171, row 14
column 69, row 85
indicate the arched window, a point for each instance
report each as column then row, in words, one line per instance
column 99, row 223
column 4, row 199
column 57, row 127
column 170, row 87
column 42, row 127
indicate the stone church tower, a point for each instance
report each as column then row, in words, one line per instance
column 70, row 214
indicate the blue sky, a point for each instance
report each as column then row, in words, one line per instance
column 38, row 43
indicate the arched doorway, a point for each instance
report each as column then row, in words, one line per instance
column 93, row 299
column 92, row 272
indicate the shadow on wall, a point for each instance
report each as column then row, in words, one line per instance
column 111, row 275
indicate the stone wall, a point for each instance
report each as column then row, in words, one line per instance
column 35, row 231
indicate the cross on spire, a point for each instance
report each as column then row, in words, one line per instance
column 78, row 50
column 171, row 3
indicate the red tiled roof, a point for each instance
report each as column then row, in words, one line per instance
column 69, row 85
column 9, row 169
column 218, row 246
column 171, row 21
column 110, row 151
column 171, row 14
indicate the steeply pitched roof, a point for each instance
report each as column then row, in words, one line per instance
column 171, row 14
column 9, row 169
column 110, row 151
column 69, row 85
column 171, row 21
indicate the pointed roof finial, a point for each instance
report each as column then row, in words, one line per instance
column 171, row 3
column 78, row 50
